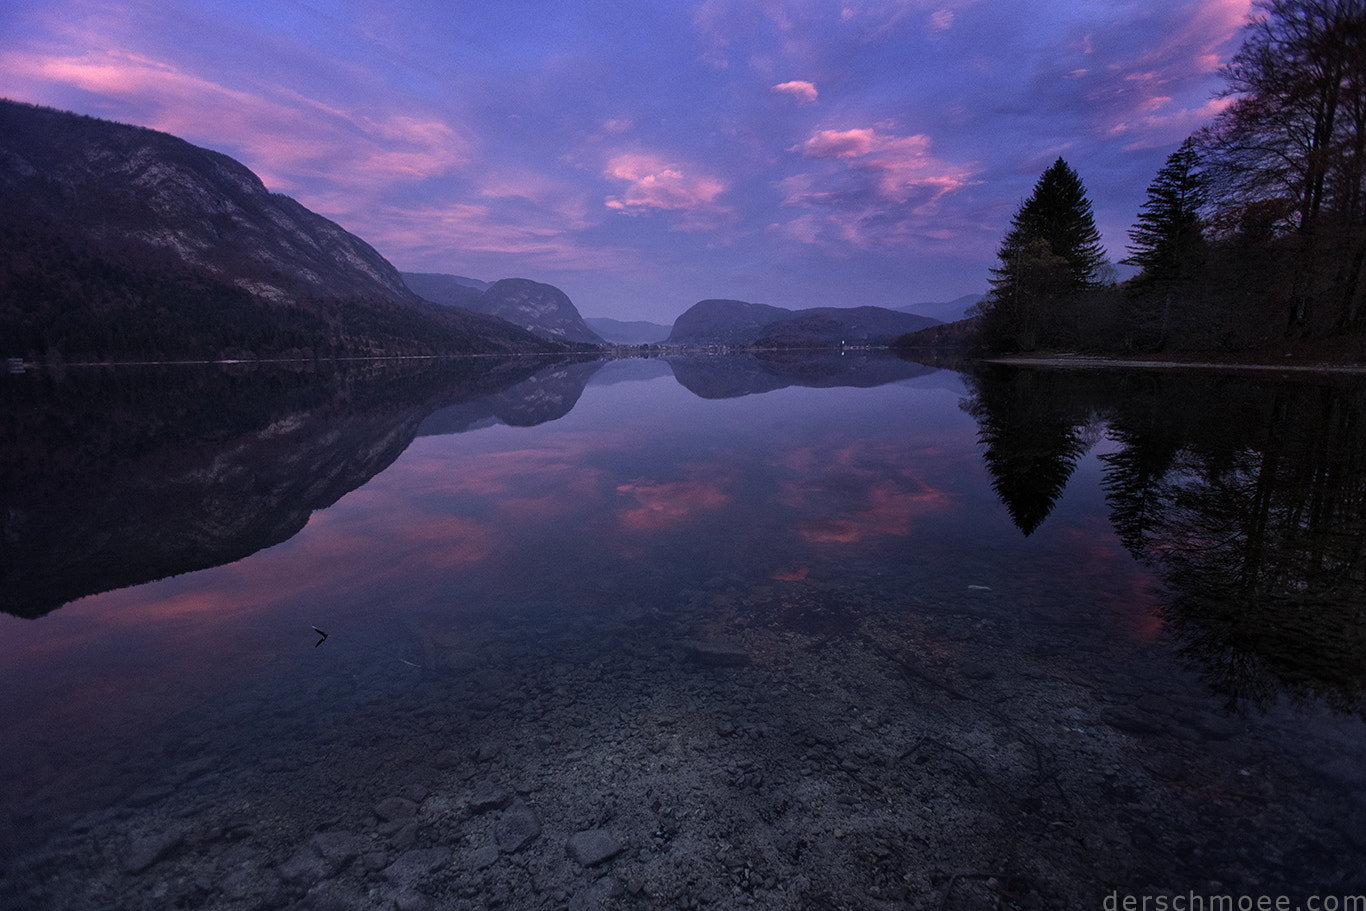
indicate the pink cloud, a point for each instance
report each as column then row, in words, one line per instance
column 828, row 144
column 804, row 92
column 483, row 233
column 902, row 165
column 284, row 135
column 655, row 183
column 1141, row 96
column 873, row 188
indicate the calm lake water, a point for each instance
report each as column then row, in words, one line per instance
column 847, row 632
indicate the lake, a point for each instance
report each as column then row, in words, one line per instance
column 706, row 631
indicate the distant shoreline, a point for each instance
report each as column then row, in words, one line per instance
column 1090, row 362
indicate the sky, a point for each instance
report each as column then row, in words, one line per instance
column 643, row 155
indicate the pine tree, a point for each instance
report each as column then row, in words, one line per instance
column 1167, row 243
column 1168, row 240
column 1051, row 254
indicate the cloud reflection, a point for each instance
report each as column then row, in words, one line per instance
column 664, row 504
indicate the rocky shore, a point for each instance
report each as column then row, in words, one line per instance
column 799, row 745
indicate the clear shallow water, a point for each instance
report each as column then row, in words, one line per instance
column 779, row 641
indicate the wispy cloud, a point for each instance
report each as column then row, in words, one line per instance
column 871, row 188
column 284, row 136
column 804, row 92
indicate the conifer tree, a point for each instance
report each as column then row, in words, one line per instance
column 1168, row 240
column 1168, row 244
column 1051, row 254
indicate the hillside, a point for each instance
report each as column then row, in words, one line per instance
column 731, row 322
column 541, row 309
column 628, row 332
column 118, row 242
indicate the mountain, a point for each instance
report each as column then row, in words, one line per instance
column 634, row 332
column 123, row 242
column 836, row 326
column 731, row 322
column 448, row 290
column 944, row 311
column 541, row 309
column 724, row 322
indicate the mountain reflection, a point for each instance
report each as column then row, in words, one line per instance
column 122, row 476
column 1246, row 497
column 113, row 478
column 733, row 375
column 546, row 395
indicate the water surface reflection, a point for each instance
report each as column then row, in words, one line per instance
column 600, row 637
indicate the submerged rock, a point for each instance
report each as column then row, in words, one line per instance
column 519, row 826
column 322, row 857
column 593, row 846
column 411, row 866
column 395, row 808
column 145, row 851
column 715, row 654
column 488, row 796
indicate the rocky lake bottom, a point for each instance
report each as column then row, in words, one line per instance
column 867, row 743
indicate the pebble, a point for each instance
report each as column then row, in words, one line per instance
column 411, row 866
column 483, row 857
column 142, row 853
column 518, row 827
column 716, row 654
column 395, row 808
column 593, row 846
column 487, row 796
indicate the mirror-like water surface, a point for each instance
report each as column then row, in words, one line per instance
column 847, row 633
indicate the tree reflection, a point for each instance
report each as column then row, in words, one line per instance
column 1246, row 497
column 1258, row 537
column 1032, row 425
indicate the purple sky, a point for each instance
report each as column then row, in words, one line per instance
column 645, row 155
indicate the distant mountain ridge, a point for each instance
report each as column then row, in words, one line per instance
column 541, row 309
column 628, row 332
column 944, row 311
column 124, row 242
column 733, row 322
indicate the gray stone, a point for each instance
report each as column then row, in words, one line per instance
column 518, row 827
column 394, row 808
column 411, row 866
column 601, row 894
column 593, row 846
column 489, row 796
column 146, row 796
column 337, row 847
column 322, row 857
column 305, row 867
column 409, row 900
column 404, row 837
column 483, row 857
column 715, row 654
column 335, row 896
column 142, row 852
column 1130, row 720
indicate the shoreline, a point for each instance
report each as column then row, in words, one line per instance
column 1107, row 362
